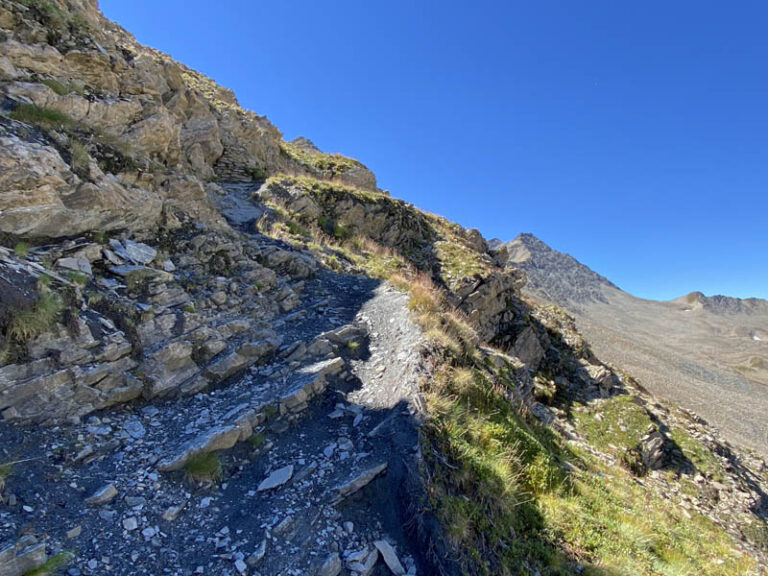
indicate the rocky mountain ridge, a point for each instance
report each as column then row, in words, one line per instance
column 557, row 276
column 703, row 352
column 221, row 352
column 719, row 304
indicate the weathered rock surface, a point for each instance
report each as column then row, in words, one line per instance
column 103, row 495
column 390, row 557
column 22, row 557
column 276, row 478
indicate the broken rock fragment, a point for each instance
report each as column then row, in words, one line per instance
column 359, row 482
column 276, row 478
column 103, row 495
column 390, row 557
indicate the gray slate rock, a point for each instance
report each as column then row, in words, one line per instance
column 133, row 251
column 76, row 265
column 359, row 482
column 22, row 556
column 103, row 495
column 390, row 557
column 276, row 478
column 331, row 566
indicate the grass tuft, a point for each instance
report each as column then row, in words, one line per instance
column 21, row 249
column 257, row 439
column 52, row 565
column 56, row 86
column 424, row 300
column 80, row 159
column 39, row 115
column 76, row 277
column 5, row 471
column 203, row 467
column 25, row 324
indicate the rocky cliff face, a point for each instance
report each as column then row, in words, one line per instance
column 184, row 296
column 122, row 133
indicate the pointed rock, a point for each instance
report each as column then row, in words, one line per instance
column 103, row 495
column 390, row 557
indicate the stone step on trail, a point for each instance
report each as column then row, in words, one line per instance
column 359, row 482
column 238, row 423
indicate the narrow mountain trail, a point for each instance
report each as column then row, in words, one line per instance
column 315, row 450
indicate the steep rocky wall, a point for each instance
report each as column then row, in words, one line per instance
column 107, row 127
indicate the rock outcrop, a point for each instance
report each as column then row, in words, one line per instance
column 113, row 134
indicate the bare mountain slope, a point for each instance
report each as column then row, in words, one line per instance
column 709, row 354
column 226, row 353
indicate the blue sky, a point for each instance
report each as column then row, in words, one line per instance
column 632, row 135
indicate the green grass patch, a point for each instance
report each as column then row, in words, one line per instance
column 5, row 471
column 614, row 424
column 458, row 261
column 40, row 116
column 203, row 467
column 500, row 487
column 329, row 164
column 256, row 173
column 52, row 565
column 56, row 86
column 257, row 439
column 626, row 529
column 26, row 323
column 21, row 249
column 699, row 454
column 79, row 158
column 296, row 229
column 495, row 464
column 57, row 20
column 76, row 277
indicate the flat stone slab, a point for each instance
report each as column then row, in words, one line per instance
column 331, row 566
column 359, row 482
column 76, row 265
column 308, row 382
column 219, row 438
column 227, row 366
column 134, row 251
column 276, row 478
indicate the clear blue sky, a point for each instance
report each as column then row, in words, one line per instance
column 632, row 135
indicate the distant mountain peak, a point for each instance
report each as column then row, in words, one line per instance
column 720, row 304
column 553, row 275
